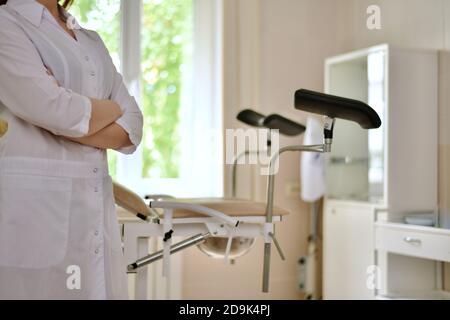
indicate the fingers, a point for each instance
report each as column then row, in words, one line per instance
column 3, row 127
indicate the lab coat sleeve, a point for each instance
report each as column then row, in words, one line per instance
column 132, row 119
column 31, row 94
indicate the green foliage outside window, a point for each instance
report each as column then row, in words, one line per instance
column 166, row 39
column 166, row 54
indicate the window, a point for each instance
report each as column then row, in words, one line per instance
column 166, row 58
column 168, row 63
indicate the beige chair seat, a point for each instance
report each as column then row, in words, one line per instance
column 228, row 206
column 134, row 204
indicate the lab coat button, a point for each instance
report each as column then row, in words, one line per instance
column 96, row 232
column 93, row 73
column 95, row 170
column 86, row 58
column 96, row 251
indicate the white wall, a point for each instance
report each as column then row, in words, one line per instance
column 406, row 23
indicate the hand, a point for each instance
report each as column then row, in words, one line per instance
column 3, row 127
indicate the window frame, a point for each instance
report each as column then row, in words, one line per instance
column 201, row 171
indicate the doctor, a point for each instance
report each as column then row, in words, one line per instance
column 65, row 105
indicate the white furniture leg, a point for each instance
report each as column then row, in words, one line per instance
column 142, row 274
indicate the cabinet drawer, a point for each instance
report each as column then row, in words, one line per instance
column 422, row 242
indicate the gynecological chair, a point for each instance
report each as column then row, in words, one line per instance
column 227, row 227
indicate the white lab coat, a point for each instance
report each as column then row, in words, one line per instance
column 58, row 225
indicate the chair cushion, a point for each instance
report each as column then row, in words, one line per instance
column 229, row 206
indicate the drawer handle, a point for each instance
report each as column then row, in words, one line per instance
column 413, row 241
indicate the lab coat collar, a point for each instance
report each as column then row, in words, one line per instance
column 31, row 10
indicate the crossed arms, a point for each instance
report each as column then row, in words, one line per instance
column 104, row 132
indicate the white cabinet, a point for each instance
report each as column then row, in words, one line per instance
column 394, row 166
column 348, row 250
column 388, row 173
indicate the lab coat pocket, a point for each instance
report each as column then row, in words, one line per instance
column 34, row 220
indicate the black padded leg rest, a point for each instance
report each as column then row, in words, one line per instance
column 252, row 118
column 337, row 107
column 286, row 126
column 273, row 121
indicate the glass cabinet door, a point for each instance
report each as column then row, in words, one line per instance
column 355, row 167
